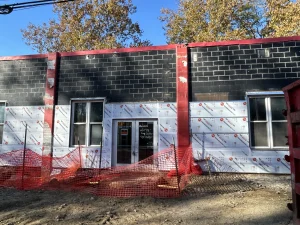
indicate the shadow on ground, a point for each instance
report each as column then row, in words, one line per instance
column 218, row 183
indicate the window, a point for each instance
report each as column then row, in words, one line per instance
column 2, row 112
column 268, row 126
column 87, row 118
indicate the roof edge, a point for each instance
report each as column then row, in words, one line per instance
column 156, row 48
column 245, row 42
column 119, row 50
column 23, row 57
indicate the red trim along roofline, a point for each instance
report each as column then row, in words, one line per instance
column 245, row 42
column 93, row 52
column 157, row 48
column 119, row 50
column 23, row 57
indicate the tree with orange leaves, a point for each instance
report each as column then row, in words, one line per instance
column 87, row 25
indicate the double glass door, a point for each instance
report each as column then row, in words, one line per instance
column 134, row 140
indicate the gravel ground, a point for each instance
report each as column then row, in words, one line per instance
column 224, row 199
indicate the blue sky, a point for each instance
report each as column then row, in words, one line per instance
column 11, row 24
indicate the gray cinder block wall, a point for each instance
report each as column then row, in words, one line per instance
column 225, row 72
column 235, row 69
column 22, row 82
column 130, row 77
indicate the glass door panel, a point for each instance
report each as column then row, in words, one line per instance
column 134, row 141
column 145, row 140
column 124, row 143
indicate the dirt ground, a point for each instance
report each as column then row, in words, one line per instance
column 234, row 199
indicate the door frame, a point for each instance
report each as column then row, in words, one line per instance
column 134, row 139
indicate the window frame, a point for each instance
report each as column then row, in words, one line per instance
column 268, row 95
column 4, row 117
column 87, row 122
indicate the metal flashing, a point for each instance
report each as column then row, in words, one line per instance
column 264, row 93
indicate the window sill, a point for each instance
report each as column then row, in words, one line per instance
column 269, row 149
column 85, row 146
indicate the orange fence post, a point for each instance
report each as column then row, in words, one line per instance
column 176, row 166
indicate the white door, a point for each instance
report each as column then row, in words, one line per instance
column 134, row 140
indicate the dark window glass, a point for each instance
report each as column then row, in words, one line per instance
column 95, row 134
column 80, row 112
column 2, row 110
column 124, row 144
column 79, row 132
column 146, row 131
column 96, row 112
column 257, row 109
column 279, row 132
column 1, row 133
column 259, row 136
column 277, row 105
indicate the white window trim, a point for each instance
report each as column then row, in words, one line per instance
column 267, row 95
column 87, row 127
column 4, row 118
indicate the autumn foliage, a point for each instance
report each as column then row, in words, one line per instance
column 106, row 24
column 86, row 25
column 217, row 20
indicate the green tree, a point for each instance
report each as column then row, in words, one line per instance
column 87, row 25
column 216, row 20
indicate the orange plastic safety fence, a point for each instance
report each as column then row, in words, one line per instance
column 162, row 175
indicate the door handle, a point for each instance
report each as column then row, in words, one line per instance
column 133, row 153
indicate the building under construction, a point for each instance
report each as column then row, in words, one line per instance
column 221, row 101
